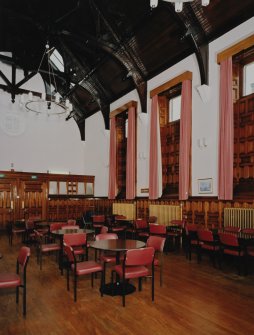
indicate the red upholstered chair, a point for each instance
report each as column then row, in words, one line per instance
column 191, row 239
column 106, row 257
column 80, row 269
column 98, row 222
column 30, row 235
column 230, row 229
column 229, row 245
column 207, row 243
column 141, row 227
column 44, row 248
column 104, row 230
column 16, row 229
column 56, row 226
column 249, row 235
column 138, row 263
column 157, row 243
column 71, row 222
column 157, row 229
column 117, row 226
column 18, row 279
column 78, row 243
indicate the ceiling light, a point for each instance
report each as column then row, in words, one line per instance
column 51, row 103
column 178, row 3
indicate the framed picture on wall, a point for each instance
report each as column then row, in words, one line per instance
column 205, row 186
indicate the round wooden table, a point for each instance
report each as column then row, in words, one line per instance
column 117, row 246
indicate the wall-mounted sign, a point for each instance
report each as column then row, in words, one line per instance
column 144, row 190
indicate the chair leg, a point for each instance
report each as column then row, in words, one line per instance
column 75, row 287
column 140, row 283
column 68, row 279
column 102, row 282
column 24, row 300
column 153, row 283
column 123, row 294
column 17, row 294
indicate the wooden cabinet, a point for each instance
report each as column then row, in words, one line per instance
column 244, row 146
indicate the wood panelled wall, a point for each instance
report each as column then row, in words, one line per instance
column 24, row 195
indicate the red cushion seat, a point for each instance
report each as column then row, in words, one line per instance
column 9, row 280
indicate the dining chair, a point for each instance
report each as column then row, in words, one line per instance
column 229, row 245
column 44, row 248
column 81, row 269
column 18, row 279
column 138, row 263
column 207, row 243
column 71, row 222
column 104, row 230
column 191, row 239
column 116, row 226
column 231, row 229
column 157, row 243
column 248, row 233
column 16, row 229
column 98, row 222
column 141, row 227
column 78, row 242
column 106, row 256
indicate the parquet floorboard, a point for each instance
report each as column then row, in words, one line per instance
column 195, row 299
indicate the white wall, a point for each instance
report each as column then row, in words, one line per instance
column 56, row 145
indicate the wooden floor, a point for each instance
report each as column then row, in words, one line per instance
column 195, row 299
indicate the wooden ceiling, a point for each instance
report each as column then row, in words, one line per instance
column 110, row 47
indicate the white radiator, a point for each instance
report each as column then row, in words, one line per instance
column 239, row 217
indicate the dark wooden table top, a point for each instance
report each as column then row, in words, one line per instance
column 117, row 245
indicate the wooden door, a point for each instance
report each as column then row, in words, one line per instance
column 33, row 199
column 8, row 189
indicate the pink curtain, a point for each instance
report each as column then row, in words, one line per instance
column 185, row 140
column 112, row 160
column 131, row 155
column 226, row 132
column 153, row 159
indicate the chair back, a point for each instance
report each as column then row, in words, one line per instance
column 229, row 239
column 157, row 229
column 30, row 224
column 230, row 229
column 23, row 256
column 75, row 240
column 143, row 256
column 120, row 217
column 98, row 218
column 104, row 230
column 249, row 231
column 157, row 242
column 191, row 227
column 71, row 222
column 141, row 224
column 107, row 236
column 179, row 223
column 69, row 253
column 152, row 219
column 55, row 226
column 205, row 235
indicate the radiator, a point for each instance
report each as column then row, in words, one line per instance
column 239, row 217
column 165, row 213
column 128, row 210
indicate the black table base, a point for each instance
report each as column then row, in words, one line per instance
column 114, row 289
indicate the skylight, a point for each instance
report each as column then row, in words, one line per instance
column 57, row 60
